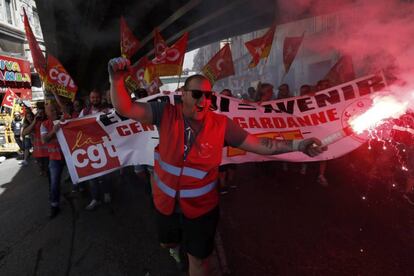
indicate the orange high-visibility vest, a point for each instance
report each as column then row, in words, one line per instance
column 191, row 182
column 39, row 149
column 53, row 146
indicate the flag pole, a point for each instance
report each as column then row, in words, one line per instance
column 179, row 79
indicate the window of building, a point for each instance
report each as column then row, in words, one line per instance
column 8, row 8
column 36, row 22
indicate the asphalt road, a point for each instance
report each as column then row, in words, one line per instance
column 116, row 239
column 283, row 223
column 274, row 223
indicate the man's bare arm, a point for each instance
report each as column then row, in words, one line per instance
column 118, row 69
column 267, row 146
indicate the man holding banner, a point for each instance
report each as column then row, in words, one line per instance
column 187, row 160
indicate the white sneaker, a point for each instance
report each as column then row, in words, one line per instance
column 23, row 163
column 323, row 181
column 107, row 198
column 92, row 206
column 175, row 253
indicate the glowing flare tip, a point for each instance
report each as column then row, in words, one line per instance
column 383, row 108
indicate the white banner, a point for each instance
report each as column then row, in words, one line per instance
column 102, row 143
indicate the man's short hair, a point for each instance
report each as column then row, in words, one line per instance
column 282, row 85
column 95, row 90
column 197, row 77
column 266, row 85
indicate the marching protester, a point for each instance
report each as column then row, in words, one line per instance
column 251, row 95
column 305, row 89
column 265, row 92
column 16, row 127
column 95, row 104
column 283, row 91
column 40, row 150
column 187, row 160
column 99, row 186
column 29, row 119
column 56, row 163
column 77, row 108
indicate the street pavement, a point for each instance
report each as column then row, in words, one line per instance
column 274, row 223
column 116, row 239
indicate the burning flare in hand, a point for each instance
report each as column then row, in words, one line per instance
column 383, row 107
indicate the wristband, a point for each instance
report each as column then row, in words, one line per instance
column 295, row 144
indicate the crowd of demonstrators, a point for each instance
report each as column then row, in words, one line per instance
column 187, row 159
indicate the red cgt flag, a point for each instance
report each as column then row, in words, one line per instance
column 342, row 71
column 129, row 43
column 220, row 65
column 159, row 43
column 135, row 78
column 291, row 47
column 58, row 79
column 9, row 99
column 39, row 60
column 170, row 62
column 260, row 47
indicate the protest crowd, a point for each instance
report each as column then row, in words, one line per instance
column 187, row 176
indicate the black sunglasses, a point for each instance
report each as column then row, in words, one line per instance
column 197, row 94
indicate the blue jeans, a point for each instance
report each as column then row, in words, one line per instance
column 55, row 172
column 100, row 186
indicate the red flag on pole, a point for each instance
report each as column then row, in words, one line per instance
column 220, row 65
column 154, row 86
column 159, row 43
column 129, row 43
column 291, row 47
column 260, row 47
column 39, row 61
column 135, row 78
column 342, row 71
column 170, row 62
column 9, row 99
column 58, row 79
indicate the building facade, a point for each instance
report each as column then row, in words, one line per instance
column 13, row 42
column 308, row 67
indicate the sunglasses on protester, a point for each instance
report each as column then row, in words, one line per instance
column 197, row 94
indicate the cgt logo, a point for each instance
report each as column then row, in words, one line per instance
column 91, row 149
column 61, row 78
column 95, row 153
column 169, row 55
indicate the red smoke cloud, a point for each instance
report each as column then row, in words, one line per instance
column 378, row 34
